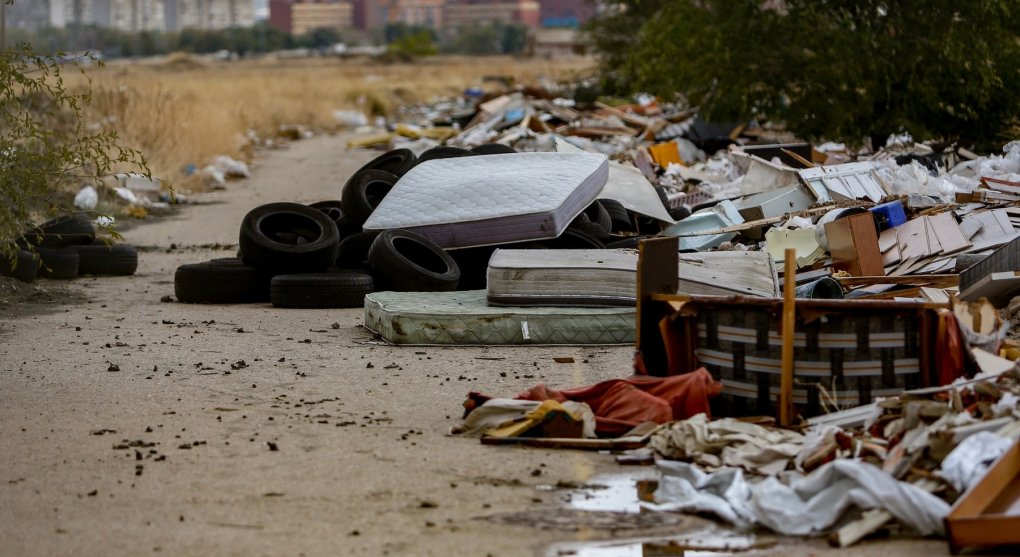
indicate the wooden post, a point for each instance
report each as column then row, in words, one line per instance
column 789, row 318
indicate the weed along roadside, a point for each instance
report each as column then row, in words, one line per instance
column 509, row 316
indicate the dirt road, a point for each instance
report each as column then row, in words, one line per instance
column 129, row 426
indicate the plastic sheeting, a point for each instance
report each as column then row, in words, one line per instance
column 812, row 505
column 972, row 458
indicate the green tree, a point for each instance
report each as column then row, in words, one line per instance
column 321, row 37
column 46, row 146
column 414, row 44
column 841, row 69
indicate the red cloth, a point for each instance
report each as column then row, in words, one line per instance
column 621, row 404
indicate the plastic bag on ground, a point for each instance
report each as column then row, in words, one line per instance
column 87, row 199
column 812, row 505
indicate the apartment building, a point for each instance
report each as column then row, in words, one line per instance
column 147, row 15
column 462, row 13
column 301, row 16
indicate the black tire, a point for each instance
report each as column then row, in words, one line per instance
column 406, row 262
column 283, row 238
column 679, row 213
column 474, row 266
column 353, row 250
column 364, row 191
column 598, row 214
column 340, row 289
column 493, row 149
column 574, row 239
column 443, row 153
column 25, row 267
column 58, row 263
column 98, row 258
column 396, row 162
column 221, row 281
column 63, row 231
column 591, row 229
column 332, row 209
column 618, row 215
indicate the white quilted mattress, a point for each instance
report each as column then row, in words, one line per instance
column 492, row 199
column 608, row 277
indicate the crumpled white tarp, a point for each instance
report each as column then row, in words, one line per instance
column 812, row 505
column 972, row 458
column 727, row 442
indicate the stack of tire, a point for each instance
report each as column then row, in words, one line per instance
column 319, row 255
column 65, row 248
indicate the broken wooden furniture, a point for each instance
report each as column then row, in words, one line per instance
column 989, row 513
column 847, row 352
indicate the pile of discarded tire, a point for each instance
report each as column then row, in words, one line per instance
column 66, row 247
column 319, row 256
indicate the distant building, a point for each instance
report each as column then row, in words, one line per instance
column 376, row 14
column 555, row 43
column 566, row 13
column 301, row 16
column 463, row 13
column 28, row 15
column 208, row 14
column 141, row 15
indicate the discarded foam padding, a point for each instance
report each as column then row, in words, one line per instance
column 492, row 199
column 461, row 318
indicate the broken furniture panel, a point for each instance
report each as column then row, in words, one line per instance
column 847, row 351
column 853, row 243
column 775, row 203
column 989, row 513
column 1006, row 258
column 847, row 182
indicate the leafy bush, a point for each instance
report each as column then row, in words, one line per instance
column 45, row 143
column 836, row 69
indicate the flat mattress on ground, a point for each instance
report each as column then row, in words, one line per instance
column 462, row 318
column 492, row 199
column 608, row 277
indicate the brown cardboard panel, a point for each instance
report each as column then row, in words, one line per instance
column 853, row 243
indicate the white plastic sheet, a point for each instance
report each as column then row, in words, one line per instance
column 971, row 459
column 812, row 505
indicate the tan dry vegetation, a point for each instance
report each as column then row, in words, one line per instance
column 180, row 110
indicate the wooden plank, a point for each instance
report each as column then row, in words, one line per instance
column 927, row 280
column 987, row 513
column 566, row 443
column 658, row 260
column 789, row 320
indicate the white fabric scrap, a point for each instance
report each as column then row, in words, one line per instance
column 728, row 442
column 812, row 505
column 498, row 412
column 972, row 458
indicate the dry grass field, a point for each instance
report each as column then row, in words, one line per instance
column 181, row 110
